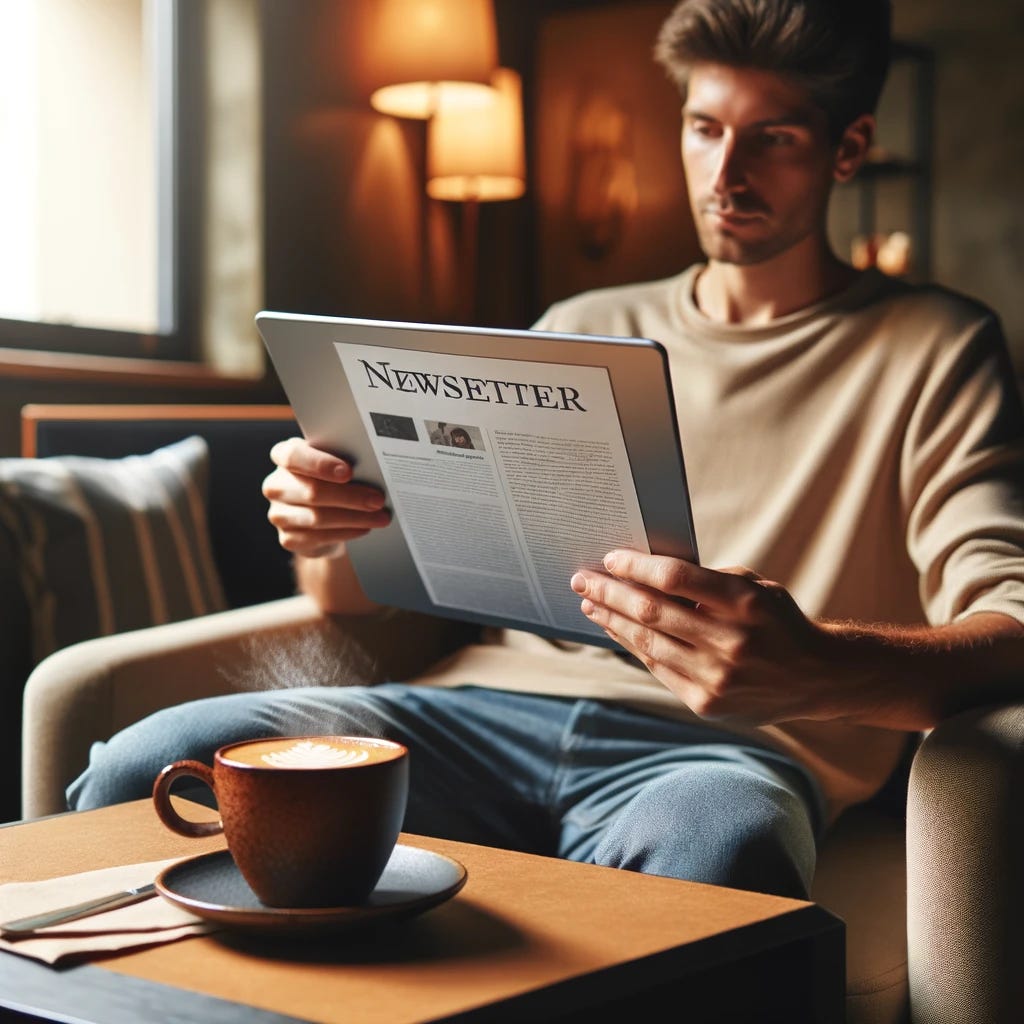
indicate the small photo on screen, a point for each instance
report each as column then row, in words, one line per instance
column 454, row 435
column 387, row 424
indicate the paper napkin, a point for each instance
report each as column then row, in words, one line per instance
column 146, row 923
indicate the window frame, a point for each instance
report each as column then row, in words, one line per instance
column 178, row 45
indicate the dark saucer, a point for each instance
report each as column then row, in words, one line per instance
column 211, row 886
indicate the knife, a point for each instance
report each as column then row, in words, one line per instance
column 22, row 925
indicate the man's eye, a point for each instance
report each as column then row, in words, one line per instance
column 776, row 139
column 703, row 128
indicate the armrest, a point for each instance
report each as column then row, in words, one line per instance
column 90, row 690
column 965, row 851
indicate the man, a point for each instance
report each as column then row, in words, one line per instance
column 856, row 440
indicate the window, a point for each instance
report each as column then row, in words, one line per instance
column 112, row 113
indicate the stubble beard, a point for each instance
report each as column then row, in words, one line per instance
column 725, row 249
column 720, row 246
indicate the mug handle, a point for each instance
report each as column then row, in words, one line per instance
column 162, row 799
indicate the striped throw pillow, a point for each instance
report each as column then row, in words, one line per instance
column 108, row 545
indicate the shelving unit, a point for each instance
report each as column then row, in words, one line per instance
column 902, row 155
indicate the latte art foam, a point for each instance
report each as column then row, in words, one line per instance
column 314, row 755
column 312, row 752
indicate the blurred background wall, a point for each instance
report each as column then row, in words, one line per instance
column 348, row 230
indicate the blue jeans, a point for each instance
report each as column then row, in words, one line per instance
column 580, row 779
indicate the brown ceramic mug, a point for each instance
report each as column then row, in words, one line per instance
column 310, row 821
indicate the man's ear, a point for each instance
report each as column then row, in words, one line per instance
column 853, row 147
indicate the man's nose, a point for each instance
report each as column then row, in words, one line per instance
column 731, row 172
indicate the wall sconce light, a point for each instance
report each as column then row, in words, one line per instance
column 477, row 155
column 432, row 54
column 429, row 56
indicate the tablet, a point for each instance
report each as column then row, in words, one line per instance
column 509, row 458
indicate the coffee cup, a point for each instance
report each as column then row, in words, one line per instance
column 310, row 821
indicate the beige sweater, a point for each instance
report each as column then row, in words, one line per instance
column 865, row 452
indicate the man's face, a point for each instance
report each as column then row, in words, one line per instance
column 758, row 162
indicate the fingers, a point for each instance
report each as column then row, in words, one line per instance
column 314, row 505
column 311, row 542
column 693, row 672
column 667, row 636
column 603, row 596
column 294, row 518
column 727, row 642
column 717, row 590
column 299, row 456
column 316, row 531
column 308, row 476
column 640, row 605
column 288, row 487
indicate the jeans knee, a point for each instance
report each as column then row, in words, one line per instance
column 741, row 830
column 125, row 766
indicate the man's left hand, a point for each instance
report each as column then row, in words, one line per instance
column 727, row 642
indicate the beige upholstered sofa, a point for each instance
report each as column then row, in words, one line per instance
column 933, row 904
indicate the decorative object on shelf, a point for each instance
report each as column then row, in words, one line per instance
column 477, row 155
column 891, row 252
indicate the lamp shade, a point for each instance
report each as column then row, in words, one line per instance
column 430, row 55
column 478, row 152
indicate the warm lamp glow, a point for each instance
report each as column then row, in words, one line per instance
column 430, row 55
column 477, row 153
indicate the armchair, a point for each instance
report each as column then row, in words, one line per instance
column 927, row 877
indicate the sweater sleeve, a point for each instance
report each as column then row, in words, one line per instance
column 962, row 479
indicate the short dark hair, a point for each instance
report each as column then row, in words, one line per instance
column 838, row 50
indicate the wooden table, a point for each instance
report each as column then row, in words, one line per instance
column 527, row 939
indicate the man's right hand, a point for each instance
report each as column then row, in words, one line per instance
column 314, row 505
